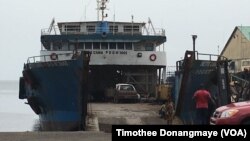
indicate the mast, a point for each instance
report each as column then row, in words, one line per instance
column 101, row 7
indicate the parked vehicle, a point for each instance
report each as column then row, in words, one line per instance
column 126, row 92
column 232, row 114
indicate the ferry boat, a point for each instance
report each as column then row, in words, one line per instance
column 121, row 52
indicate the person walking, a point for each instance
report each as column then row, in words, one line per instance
column 202, row 98
column 169, row 111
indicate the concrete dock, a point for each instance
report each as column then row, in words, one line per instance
column 55, row 136
column 100, row 119
column 92, row 134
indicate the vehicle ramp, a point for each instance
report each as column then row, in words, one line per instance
column 190, row 73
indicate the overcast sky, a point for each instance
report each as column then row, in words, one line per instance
column 212, row 20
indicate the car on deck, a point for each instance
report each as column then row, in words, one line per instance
column 232, row 114
column 127, row 92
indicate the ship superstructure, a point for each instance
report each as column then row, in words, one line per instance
column 121, row 52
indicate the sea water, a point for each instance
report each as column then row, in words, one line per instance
column 15, row 115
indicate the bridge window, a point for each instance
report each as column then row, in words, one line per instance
column 113, row 29
column 65, row 46
column 127, row 28
column 112, row 45
column 96, row 45
column 57, row 45
column 72, row 28
column 149, row 46
column 130, row 28
column 104, row 45
column 90, row 28
column 120, row 46
column 139, row 47
column 80, row 46
column 128, row 46
column 136, row 28
column 71, row 46
column 88, row 45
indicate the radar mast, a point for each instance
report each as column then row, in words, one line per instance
column 101, row 7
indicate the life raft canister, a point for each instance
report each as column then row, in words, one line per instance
column 53, row 56
column 152, row 57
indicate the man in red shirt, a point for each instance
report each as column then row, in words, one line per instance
column 202, row 98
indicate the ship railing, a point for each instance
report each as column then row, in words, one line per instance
column 210, row 57
column 78, row 31
column 49, row 58
column 154, row 32
column 55, row 30
column 200, row 56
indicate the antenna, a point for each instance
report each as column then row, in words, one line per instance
column 132, row 17
column 85, row 18
column 52, row 26
column 85, row 9
column 218, row 50
column 101, row 6
column 114, row 24
column 151, row 24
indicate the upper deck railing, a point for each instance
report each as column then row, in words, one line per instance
column 126, row 31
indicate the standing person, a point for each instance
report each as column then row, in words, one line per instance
column 202, row 98
column 162, row 111
column 169, row 111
